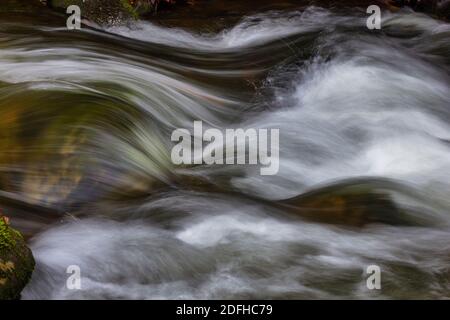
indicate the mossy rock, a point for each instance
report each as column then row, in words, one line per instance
column 16, row 262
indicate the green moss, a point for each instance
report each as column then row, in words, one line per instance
column 129, row 8
column 7, row 236
column 16, row 262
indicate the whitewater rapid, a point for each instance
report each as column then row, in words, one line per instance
column 349, row 103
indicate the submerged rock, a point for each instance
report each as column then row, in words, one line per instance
column 16, row 262
column 356, row 204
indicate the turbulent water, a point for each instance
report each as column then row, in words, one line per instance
column 85, row 166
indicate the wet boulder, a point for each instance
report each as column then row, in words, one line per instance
column 16, row 262
column 356, row 203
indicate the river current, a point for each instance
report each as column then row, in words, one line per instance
column 364, row 120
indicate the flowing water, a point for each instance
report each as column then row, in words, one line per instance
column 364, row 179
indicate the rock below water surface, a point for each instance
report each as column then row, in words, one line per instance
column 356, row 203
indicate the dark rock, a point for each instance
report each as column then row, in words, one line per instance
column 102, row 12
column 111, row 12
column 440, row 8
column 355, row 203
